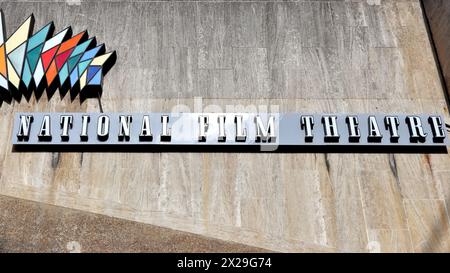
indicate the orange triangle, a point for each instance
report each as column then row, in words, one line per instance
column 51, row 73
column 71, row 43
column 3, row 70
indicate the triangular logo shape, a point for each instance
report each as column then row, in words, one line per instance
column 92, row 70
column 97, row 79
column 44, row 61
column 73, row 61
column 82, row 66
column 61, row 59
column 33, row 57
column 47, row 57
column 3, row 70
column 17, row 56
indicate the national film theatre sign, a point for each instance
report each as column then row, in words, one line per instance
column 76, row 64
column 236, row 129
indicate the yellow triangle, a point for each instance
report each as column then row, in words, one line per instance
column 20, row 36
column 13, row 77
column 100, row 60
column 83, row 80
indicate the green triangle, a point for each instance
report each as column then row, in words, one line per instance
column 83, row 65
column 33, row 57
column 73, row 61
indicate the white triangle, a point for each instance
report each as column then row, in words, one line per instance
column 3, row 82
column 38, row 73
column 55, row 40
column 16, row 57
column 2, row 29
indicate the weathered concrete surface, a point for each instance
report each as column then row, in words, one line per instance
column 313, row 56
column 438, row 15
column 28, row 226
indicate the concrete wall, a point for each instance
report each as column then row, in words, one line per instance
column 316, row 56
column 438, row 15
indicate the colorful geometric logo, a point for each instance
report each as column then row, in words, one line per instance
column 43, row 61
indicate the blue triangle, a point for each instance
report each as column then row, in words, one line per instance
column 90, row 54
column 73, row 78
column 97, row 79
column 92, row 70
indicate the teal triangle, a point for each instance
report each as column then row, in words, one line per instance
column 39, row 37
column 26, row 75
column 17, row 57
column 81, row 48
column 63, row 74
column 33, row 57
column 82, row 66
column 73, row 61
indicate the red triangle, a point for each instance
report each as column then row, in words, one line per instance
column 62, row 58
column 47, row 57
